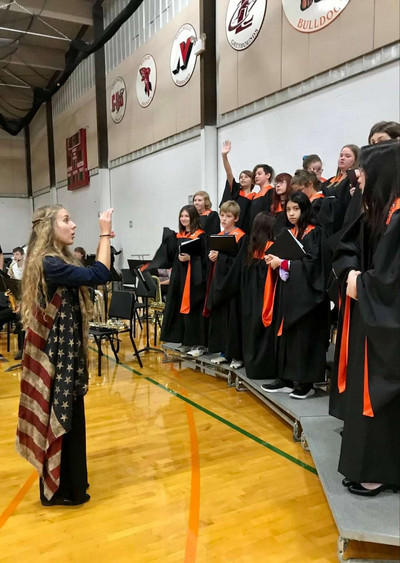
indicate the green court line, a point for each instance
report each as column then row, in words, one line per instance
column 219, row 418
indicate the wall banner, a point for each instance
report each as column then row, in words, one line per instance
column 308, row 16
column 118, row 100
column 244, row 19
column 183, row 61
column 146, row 81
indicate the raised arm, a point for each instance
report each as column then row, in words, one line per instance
column 106, row 232
column 226, row 147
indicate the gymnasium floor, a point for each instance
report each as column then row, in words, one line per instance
column 181, row 469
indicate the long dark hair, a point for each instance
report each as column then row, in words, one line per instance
column 283, row 177
column 307, row 216
column 381, row 165
column 261, row 232
column 194, row 218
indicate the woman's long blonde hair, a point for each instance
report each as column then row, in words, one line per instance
column 42, row 242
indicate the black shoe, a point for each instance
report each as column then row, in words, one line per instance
column 18, row 355
column 57, row 501
column 346, row 482
column 278, row 386
column 358, row 489
column 302, row 392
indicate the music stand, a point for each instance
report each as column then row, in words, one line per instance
column 145, row 288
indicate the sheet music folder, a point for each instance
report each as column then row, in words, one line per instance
column 193, row 247
column 286, row 246
column 223, row 243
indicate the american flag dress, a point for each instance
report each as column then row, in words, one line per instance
column 54, row 374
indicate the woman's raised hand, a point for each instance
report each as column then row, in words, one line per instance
column 105, row 222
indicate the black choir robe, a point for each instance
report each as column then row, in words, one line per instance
column 259, row 204
column 210, row 223
column 303, row 313
column 234, row 193
column 258, row 340
column 369, row 401
column 189, row 328
column 223, row 302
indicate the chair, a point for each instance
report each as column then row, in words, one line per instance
column 122, row 306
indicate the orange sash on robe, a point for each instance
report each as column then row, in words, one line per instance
column 185, row 303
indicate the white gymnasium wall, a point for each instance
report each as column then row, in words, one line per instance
column 15, row 222
column 83, row 205
column 150, row 192
column 320, row 123
column 43, row 199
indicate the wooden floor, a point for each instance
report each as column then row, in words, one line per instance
column 181, row 469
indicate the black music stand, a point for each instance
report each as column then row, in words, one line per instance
column 145, row 288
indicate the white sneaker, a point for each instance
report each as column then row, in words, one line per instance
column 236, row 364
column 197, row 351
column 219, row 360
column 182, row 348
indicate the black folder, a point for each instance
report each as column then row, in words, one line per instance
column 286, row 246
column 223, row 243
column 193, row 247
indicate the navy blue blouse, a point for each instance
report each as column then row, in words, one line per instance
column 57, row 272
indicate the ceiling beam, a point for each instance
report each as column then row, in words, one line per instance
column 37, row 57
column 74, row 11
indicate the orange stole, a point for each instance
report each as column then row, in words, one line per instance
column 237, row 232
column 269, row 293
column 185, row 303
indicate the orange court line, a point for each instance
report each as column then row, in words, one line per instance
column 12, row 507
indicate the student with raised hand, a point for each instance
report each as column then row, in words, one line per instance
column 257, row 290
column 242, row 192
column 222, row 304
column 302, row 306
column 55, row 310
column 209, row 219
column 183, row 321
column 366, row 385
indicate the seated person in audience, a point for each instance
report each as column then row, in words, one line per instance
column 301, row 306
column 183, row 321
column 308, row 183
column 223, row 292
column 366, row 387
column 258, row 282
column 384, row 131
column 242, row 192
column 313, row 163
column 164, row 275
column 80, row 254
column 16, row 268
column 280, row 195
column 209, row 219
